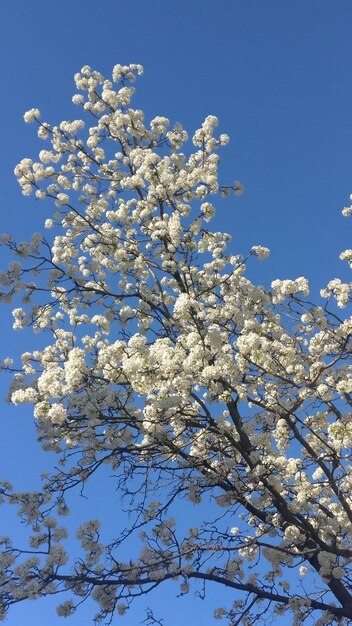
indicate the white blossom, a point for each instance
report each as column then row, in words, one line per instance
column 31, row 115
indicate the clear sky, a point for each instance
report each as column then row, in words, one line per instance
column 277, row 73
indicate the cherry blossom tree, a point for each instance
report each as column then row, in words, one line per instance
column 165, row 363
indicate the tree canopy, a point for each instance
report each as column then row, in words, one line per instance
column 193, row 385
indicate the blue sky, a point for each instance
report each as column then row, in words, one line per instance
column 278, row 74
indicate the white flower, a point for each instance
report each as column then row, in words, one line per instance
column 292, row 533
column 57, row 413
column 121, row 609
column 347, row 211
column 261, row 252
column 77, row 99
column 284, row 288
column 62, row 198
column 220, row 613
column 31, row 115
column 66, row 609
column 207, row 210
